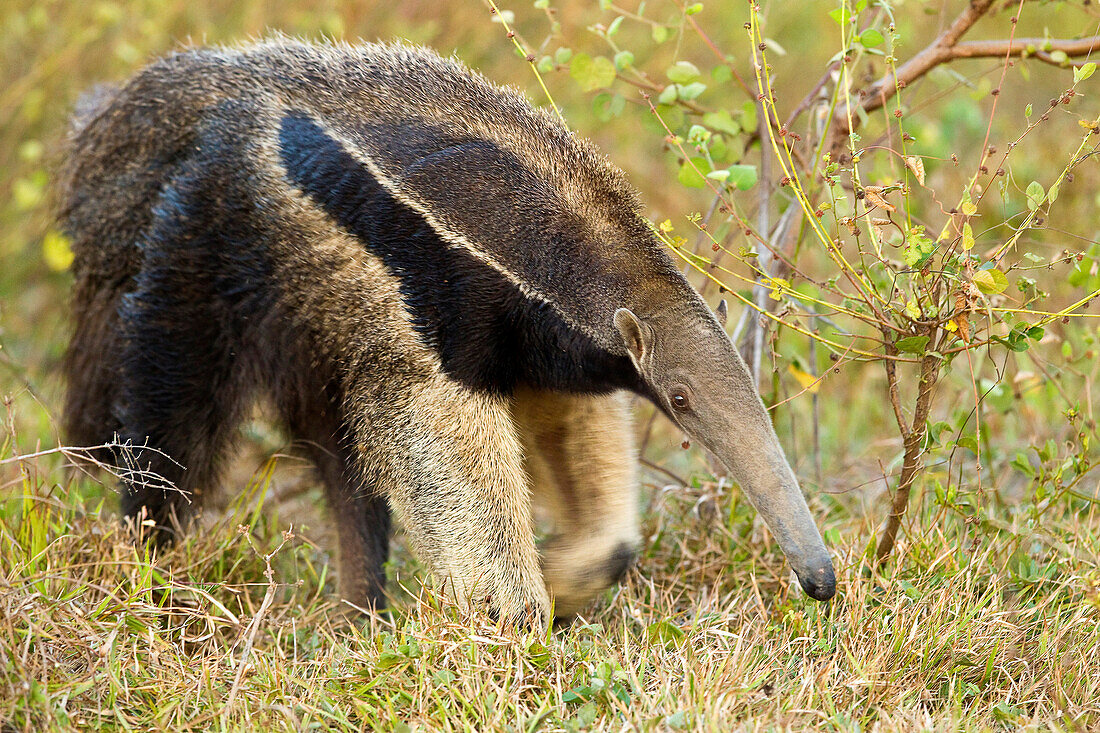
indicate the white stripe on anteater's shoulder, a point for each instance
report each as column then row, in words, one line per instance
column 487, row 170
column 394, row 182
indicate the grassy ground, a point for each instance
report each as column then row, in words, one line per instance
column 238, row 628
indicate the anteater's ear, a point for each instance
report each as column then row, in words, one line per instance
column 637, row 336
column 722, row 312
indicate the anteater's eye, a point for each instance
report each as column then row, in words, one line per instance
column 679, row 398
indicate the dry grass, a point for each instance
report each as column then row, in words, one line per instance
column 986, row 619
column 237, row 629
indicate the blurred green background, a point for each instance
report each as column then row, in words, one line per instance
column 51, row 50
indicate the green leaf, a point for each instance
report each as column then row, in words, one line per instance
column 624, row 60
column 586, row 715
column 659, row 34
column 679, row 721
column 614, row 27
column 664, row 632
column 912, row 344
column 693, row 90
column 669, row 94
column 538, row 654
column 607, row 106
column 1035, row 195
column 1084, row 72
column 721, row 121
column 693, row 9
column 748, row 117
column 28, row 192
column 386, row 660
column 991, row 281
column 841, row 15
column 871, row 38
column 1027, row 111
column 698, row 134
column 592, row 73
column 743, row 176
column 970, row 443
column 563, row 54
column 31, row 151
column 1052, row 193
column 682, row 72
column 692, row 175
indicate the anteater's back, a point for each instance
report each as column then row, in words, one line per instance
column 542, row 209
column 126, row 146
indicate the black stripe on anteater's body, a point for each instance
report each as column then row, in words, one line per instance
column 420, row 271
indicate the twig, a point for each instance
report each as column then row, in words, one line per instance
column 661, row 469
column 914, row 449
column 254, row 624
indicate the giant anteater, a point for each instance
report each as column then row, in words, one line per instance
column 445, row 295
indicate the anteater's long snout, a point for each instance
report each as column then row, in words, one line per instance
column 818, row 580
column 767, row 480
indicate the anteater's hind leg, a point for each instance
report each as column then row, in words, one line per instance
column 188, row 358
column 92, row 369
column 582, row 462
column 361, row 513
column 182, row 398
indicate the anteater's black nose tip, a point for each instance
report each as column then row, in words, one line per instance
column 819, row 584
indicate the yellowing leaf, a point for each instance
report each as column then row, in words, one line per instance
column 916, row 165
column 990, row 281
column 805, row 379
column 968, row 237
column 56, row 251
column 969, row 208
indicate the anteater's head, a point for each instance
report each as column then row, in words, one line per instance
column 698, row 379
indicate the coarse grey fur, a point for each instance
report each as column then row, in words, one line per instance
column 444, row 293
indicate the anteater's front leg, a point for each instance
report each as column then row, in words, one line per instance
column 450, row 462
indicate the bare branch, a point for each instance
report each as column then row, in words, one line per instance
column 947, row 48
column 931, row 56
